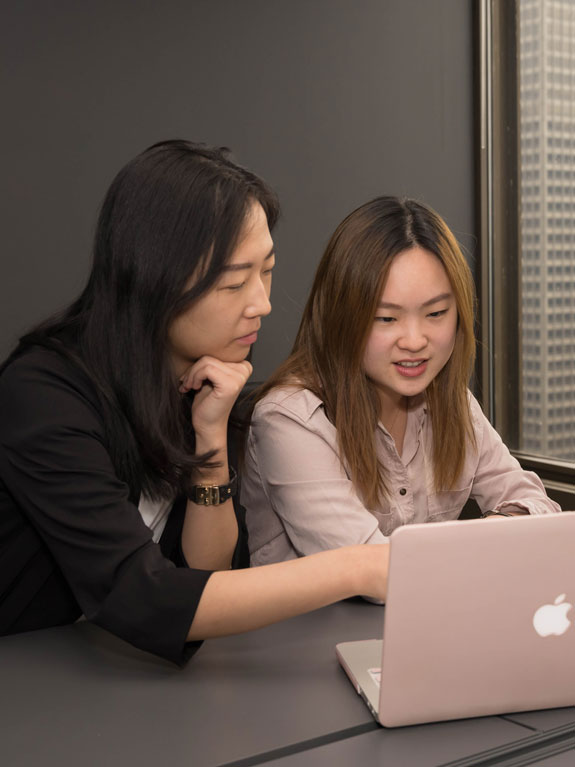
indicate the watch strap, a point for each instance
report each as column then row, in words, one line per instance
column 214, row 495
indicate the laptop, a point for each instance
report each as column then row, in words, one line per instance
column 479, row 620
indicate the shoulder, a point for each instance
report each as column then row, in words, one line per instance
column 40, row 364
column 478, row 417
column 292, row 401
column 47, row 369
column 483, row 431
column 41, row 385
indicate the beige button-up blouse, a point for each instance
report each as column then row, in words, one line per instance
column 300, row 500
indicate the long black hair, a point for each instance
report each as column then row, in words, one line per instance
column 173, row 213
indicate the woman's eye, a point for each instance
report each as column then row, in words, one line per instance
column 439, row 313
column 267, row 272
column 233, row 288
column 385, row 319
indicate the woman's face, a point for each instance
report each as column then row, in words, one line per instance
column 225, row 321
column 414, row 328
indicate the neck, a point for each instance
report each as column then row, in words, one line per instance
column 391, row 409
column 394, row 419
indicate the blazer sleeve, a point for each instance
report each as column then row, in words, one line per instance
column 55, row 465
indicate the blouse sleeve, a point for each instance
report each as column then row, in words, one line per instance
column 296, row 462
column 57, row 469
column 500, row 483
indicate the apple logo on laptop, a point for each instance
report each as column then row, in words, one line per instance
column 552, row 619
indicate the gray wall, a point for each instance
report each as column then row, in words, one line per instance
column 332, row 101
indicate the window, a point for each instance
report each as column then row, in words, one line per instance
column 526, row 285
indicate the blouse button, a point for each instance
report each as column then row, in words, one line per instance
column 403, row 491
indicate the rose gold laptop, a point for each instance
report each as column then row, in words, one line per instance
column 478, row 621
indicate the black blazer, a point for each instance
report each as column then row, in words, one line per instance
column 71, row 539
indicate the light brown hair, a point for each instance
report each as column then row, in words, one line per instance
column 327, row 357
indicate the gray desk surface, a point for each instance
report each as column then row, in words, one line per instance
column 426, row 745
column 559, row 760
column 79, row 694
column 77, row 690
column 545, row 720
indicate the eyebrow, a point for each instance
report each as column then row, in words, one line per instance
column 441, row 297
column 247, row 264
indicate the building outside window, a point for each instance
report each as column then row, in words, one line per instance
column 546, row 56
column 526, row 265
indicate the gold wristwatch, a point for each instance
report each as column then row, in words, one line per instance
column 214, row 495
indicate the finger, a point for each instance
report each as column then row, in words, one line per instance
column 216, row 372
column 248, row 367
column 224, row 379
column 197, row 373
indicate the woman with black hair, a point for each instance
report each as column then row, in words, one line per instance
column 117, row 500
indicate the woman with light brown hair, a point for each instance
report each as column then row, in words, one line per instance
column 369, row 423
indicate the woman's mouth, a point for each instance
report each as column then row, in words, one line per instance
column 249, row 339
column 411, row 368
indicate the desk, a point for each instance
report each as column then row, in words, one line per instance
column 76, row 694
column 545, row 720
column 425, row 745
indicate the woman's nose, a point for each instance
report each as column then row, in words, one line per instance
column 259, row 304
column 412, row 338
